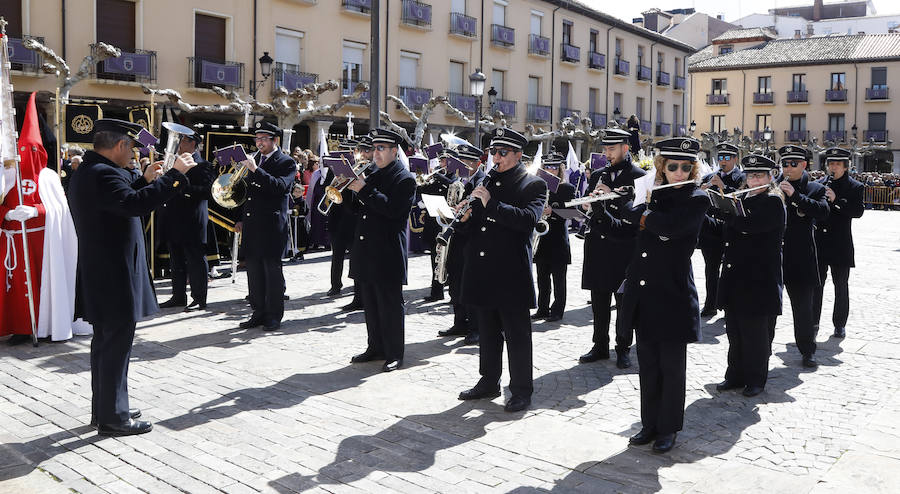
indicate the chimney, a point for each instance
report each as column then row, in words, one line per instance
column 817, row 10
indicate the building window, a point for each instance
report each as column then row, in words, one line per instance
column 640, row 59
column 497, row 79
column 639, row 108
column 457, row 75
column 763, row 122
column 617, row 102
column 618, row 50
column 764, row 84
column 678, row 71
column 798, row 122
column 676, row 115
column 536, row 18
column 879, row 77
column 838, row 81
column 116, row 24
column 877, row 121
column 593, row 40
column 408, row 70
column 565, row 95
column 288, row 49
column 12, row 12
column 534, row 90
column 458, row 7
column 353, row 54
column 725, row 49
column 798, row 82
column 720, row 86
column 499, row 17
column 567, row 32
column 593, row 94
column 717, row 123
column 660, row 61
column 835, row 122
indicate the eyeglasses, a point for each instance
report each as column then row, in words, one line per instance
column 501, row 152
column 791, row 163
column 257, row 139
column 724, row 157
column 380, row 147
column 551, row 167
column 685, row 167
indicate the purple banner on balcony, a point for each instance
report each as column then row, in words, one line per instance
column 541, row 113
column 418, row 12
column 836, row 95
column 796, row 96
column 877, row 135
column 664, row 78
column 663, row 129
column 877, row 93
column 539, row 44
column 644, row 72
column 297, row 81
column 19, row 54
column 623, row 67
column 359, row 4
column 463, row 24
column 571, row 52
column 598, row 120
column 796, row 135
column 645, row 126
column 834, row 135
column 504, row 34
column 718, row 99
column 598, row 60
column 219, row 73
column 416, row 97
column 679, row 82
column 507, row 107
column 129, row 63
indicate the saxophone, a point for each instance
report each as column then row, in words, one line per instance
column 542, row 226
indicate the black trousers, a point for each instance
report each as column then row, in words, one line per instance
column 385, row 318
column 662, row 376
column 437, row 289
column 110, row 353
column 712, row 259
column 600, row 305
column 840, row 276
column 545, row 272
column 749, row 346
column 464, row 316
column 338, row 254
column 513, row 325
column 802, row 308
column 265, row 280
column 188, row 262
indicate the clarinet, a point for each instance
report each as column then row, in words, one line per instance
column 442, row 241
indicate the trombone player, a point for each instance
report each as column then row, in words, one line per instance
column 264, row 226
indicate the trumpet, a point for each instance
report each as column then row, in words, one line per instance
column 608, row 196
column 334, row 191
column 427, row 178
column 176, row 132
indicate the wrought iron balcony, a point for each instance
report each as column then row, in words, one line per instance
column 834, row 135
column 679, row 82
column 360, row 6
column 796, row 135
column 290, row 77
column 414, row 97
column 663, row 78
column 596, row 60
column 23, row 59
column 876, row 93
column 760, row 135
column 569, row 112
column 597, row 119
column 538, row 113
column 644, row 73
column 463, row 25
column 502, row 35
column 663, row 129
column 646, row 128
column 205, row 72
column 508, row 108
column 348, row 86
column 538, row 45
column 463, row 102
column 570, row 53
column 763, row 98
column 416, row 13
column 798, row 96
column 836, row 95
column 717, row 99
column 876, row 135
column 139, row 66
column 623, row 67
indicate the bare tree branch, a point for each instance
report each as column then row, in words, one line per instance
column 62, row 70
column 385, row 117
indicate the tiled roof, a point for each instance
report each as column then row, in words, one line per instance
column 805, row 51
column 745, row 33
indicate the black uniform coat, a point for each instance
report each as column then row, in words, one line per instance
column 379, row 250
column 107, row 204
column 751, row 282
column 553, row 248
column 183, row 219
column 834, row 236
column 713, row 230
column 437, row 187
column 609, row 244
column 342, row 217
column 804, row 208
column 660, row 298
column 456, row 256
column 265, row 214
column 497, row 270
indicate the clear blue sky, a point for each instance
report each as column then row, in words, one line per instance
column 731, row 9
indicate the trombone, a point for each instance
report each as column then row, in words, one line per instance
column 334, row 191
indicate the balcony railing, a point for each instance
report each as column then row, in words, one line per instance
column 646, row 128
column 570, row 53
column 131, row 67
column 463, row 102
column 644, row 73
column 796, row 135
column 205, row 72
column 360, row 6
column 597, row 119
column 538, row 113
column 416, row 13
column 463, row 25
column 679, row 82
column 663, row 129
column 348, row 86
column 834, row 135
column 763, row 98
column 502, row 35
column 681, row 130
column 798, row 96
column 414, row 97
column 663, row 78
column 876, row 93
column 623, row 67
column 568, row 112
column 538, row 45
column 596, row 60
column 508, row 108
column 290, row 77
column 717, row 99
column 836, row 95
column 760, row 136
column 22, row 58
column 876, row 135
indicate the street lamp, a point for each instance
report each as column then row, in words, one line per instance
column 616, row 115
column 492, row 99
column 265, row 67
column 854, row 129
column 476, row 88
column 692, row 127
column 767, row 136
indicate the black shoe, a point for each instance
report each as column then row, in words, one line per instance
column 644, row 437
column 173, row 302
column 750, row 391
column 195, row 306
column 433, row 298
column 809, row 361
column 472, row 338
column 594, row 355
column 130, row 427
column 285, row 297
column 840, row 332
column 333, row 292
column 366, row 356
column 271, row 325
column 352, row 306
column 18, row 339
column 664, row 442
column 391, row 365
column 454, row 331
column 252, row 323
column 517, row 403
column 727, row 385
column 134, row 413
column 708, row 311
column 540, row 315
column 477, row 393
column 554, row 318
column 623, row 361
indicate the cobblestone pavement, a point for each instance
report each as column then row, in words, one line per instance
column 245, row 411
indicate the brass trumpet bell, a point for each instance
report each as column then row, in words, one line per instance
column 228, row 192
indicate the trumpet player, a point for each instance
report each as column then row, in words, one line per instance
column 608, row 246
column 834, row 237
column 379, row 254
column 183, row 226
column 553, row 254
column 264, row 226
column 497, row 277
column 341, row 227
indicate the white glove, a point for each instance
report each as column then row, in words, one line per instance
column 22, row 213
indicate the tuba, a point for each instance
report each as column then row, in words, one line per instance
column 230, row 190
column 176, row 132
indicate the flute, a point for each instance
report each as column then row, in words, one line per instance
column 613, row 194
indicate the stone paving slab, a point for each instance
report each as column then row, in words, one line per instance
column 241, row 411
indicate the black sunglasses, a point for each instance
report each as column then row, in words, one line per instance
column 551, row 167
column 792, row 163
column 501, row 152
column 724, row 157
column 685, row 167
